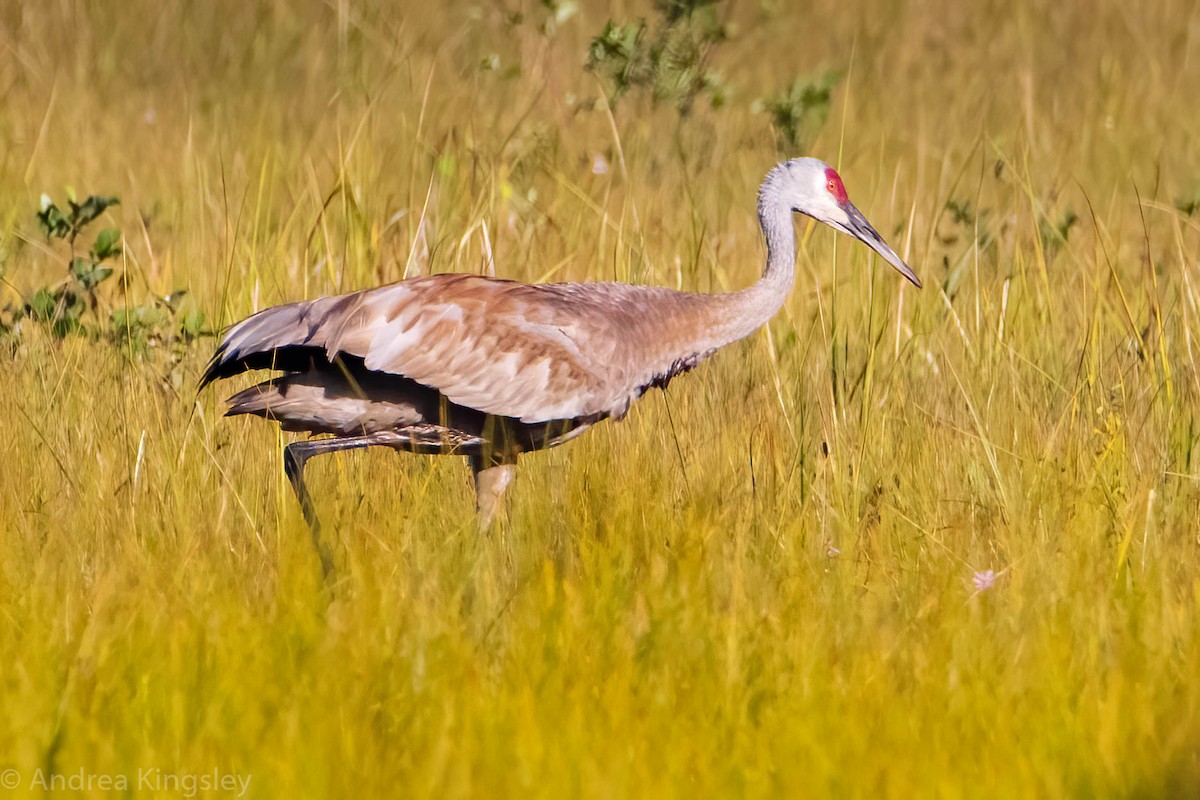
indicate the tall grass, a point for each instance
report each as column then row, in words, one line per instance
column 762, row 581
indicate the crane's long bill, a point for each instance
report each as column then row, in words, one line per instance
column 858, row 227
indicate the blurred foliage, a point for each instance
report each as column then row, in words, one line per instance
column 799, row 111
column 1055, row 233
column 668, row 58
column 1189, row 204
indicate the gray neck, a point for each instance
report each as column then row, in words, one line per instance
column 741, row 313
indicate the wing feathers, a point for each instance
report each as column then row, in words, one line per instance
column 535, row 353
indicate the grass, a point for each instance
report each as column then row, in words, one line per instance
column 760, row 583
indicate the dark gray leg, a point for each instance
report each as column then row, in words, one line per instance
column 294, row 457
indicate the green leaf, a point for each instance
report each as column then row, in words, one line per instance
column 57, row 224
column 61, row 308
column 42, row 305
column 94, row 206
column 96, row 277
column 88, row 273
column 54, row 223
column 107, row 244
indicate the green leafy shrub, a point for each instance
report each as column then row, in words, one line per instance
column 668, row 59
column 62, row 306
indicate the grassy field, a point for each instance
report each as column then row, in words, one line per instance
column 766, row 580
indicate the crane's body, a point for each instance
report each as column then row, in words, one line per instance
column 489, row 368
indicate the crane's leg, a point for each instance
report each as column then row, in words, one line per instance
column 294, row 457
column 491, row 479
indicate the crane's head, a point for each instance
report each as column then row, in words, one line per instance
column 814, row 188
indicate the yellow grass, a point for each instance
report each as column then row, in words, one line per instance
column 760, row 583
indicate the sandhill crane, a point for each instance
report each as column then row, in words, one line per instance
column 488, row 368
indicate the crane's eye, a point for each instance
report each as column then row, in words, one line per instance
column 833, row 184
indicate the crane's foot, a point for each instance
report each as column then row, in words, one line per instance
column 491, row 481
column 295, row 455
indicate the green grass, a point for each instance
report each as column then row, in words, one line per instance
column 760, row 583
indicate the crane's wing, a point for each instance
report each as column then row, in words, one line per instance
column 532, row 352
